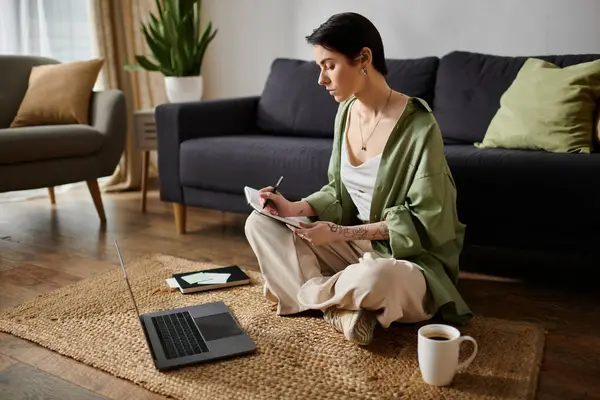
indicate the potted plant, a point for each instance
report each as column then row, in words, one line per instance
column 177, row 47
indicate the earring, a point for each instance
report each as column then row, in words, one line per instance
column 364, row 71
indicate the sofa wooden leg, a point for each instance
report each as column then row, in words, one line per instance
column 51, row 194
column 97, row 198
column 180, row 213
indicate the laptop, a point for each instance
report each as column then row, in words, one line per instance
column 191, row 335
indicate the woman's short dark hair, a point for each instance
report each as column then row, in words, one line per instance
column 348, row 33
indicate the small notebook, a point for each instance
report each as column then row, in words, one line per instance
column 216, row 278
column 253, row 199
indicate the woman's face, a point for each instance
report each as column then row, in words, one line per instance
column 338, row 75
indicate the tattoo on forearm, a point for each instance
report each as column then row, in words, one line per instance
column 375, row 231
column 382, row 230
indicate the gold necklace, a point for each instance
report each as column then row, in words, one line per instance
column 364, row 142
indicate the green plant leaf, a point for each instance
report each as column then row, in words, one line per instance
column 134, row 67
column 207, row 37
column 155, row 39
column 157, row 36
column 197, row 16
column 156, row 27
column 158, row 50
column 174, row 40
column 204, row 40
column 159, row 8
column 170, row 24
column 147, row 64
column 190, row 46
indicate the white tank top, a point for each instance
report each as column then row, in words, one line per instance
column 359, row 180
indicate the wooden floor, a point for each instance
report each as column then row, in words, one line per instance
column 44, row 247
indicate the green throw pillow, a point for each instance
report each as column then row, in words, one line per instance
column 547, row 108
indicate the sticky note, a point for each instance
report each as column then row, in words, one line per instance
column 172, row 282
column 215, row 278
column 196, row 278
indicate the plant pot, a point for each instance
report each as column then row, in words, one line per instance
column 181, row 89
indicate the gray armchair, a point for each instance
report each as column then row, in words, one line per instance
column 47, row 156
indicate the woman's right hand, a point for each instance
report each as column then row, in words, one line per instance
column 277, row 204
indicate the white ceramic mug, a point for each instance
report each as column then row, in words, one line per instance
column 438, row 348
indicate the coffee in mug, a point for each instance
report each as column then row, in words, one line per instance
column 438, row 337
column 438, row 349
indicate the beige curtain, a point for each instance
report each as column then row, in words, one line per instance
column 118, row 39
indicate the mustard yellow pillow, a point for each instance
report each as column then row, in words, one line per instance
column 58, row 94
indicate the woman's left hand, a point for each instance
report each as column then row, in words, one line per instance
column 318, row 233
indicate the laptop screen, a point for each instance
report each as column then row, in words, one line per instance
column 127, row 280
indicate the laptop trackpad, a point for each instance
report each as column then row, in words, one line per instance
column 218, row 326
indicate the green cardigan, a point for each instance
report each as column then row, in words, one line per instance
column 416, row 195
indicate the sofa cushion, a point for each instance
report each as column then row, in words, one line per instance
column 414, row 77
column 14, row 85
column 597, row 127
column 526, row 198
column 37, row 143
column 228, row 163
column 293, row 102
column 547, row 108
column 469, row 86
column 58, row 94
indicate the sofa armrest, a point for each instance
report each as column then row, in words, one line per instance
column 206, row 118
column 178, row 122
column 108, row 114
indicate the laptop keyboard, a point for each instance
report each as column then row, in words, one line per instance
column 179, row 335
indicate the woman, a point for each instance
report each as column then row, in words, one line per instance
column 385, row 239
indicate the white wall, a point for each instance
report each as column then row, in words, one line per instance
column 435, row 27
column 253, row 32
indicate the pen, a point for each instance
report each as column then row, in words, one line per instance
column 274, row 189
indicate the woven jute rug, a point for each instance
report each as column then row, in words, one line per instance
column 94, row 322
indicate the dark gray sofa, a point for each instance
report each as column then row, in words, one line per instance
column 531, row 205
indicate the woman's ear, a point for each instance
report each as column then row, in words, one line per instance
column 365, row 56
column 363, row 60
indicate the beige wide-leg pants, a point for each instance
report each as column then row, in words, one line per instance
column 300, row 276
